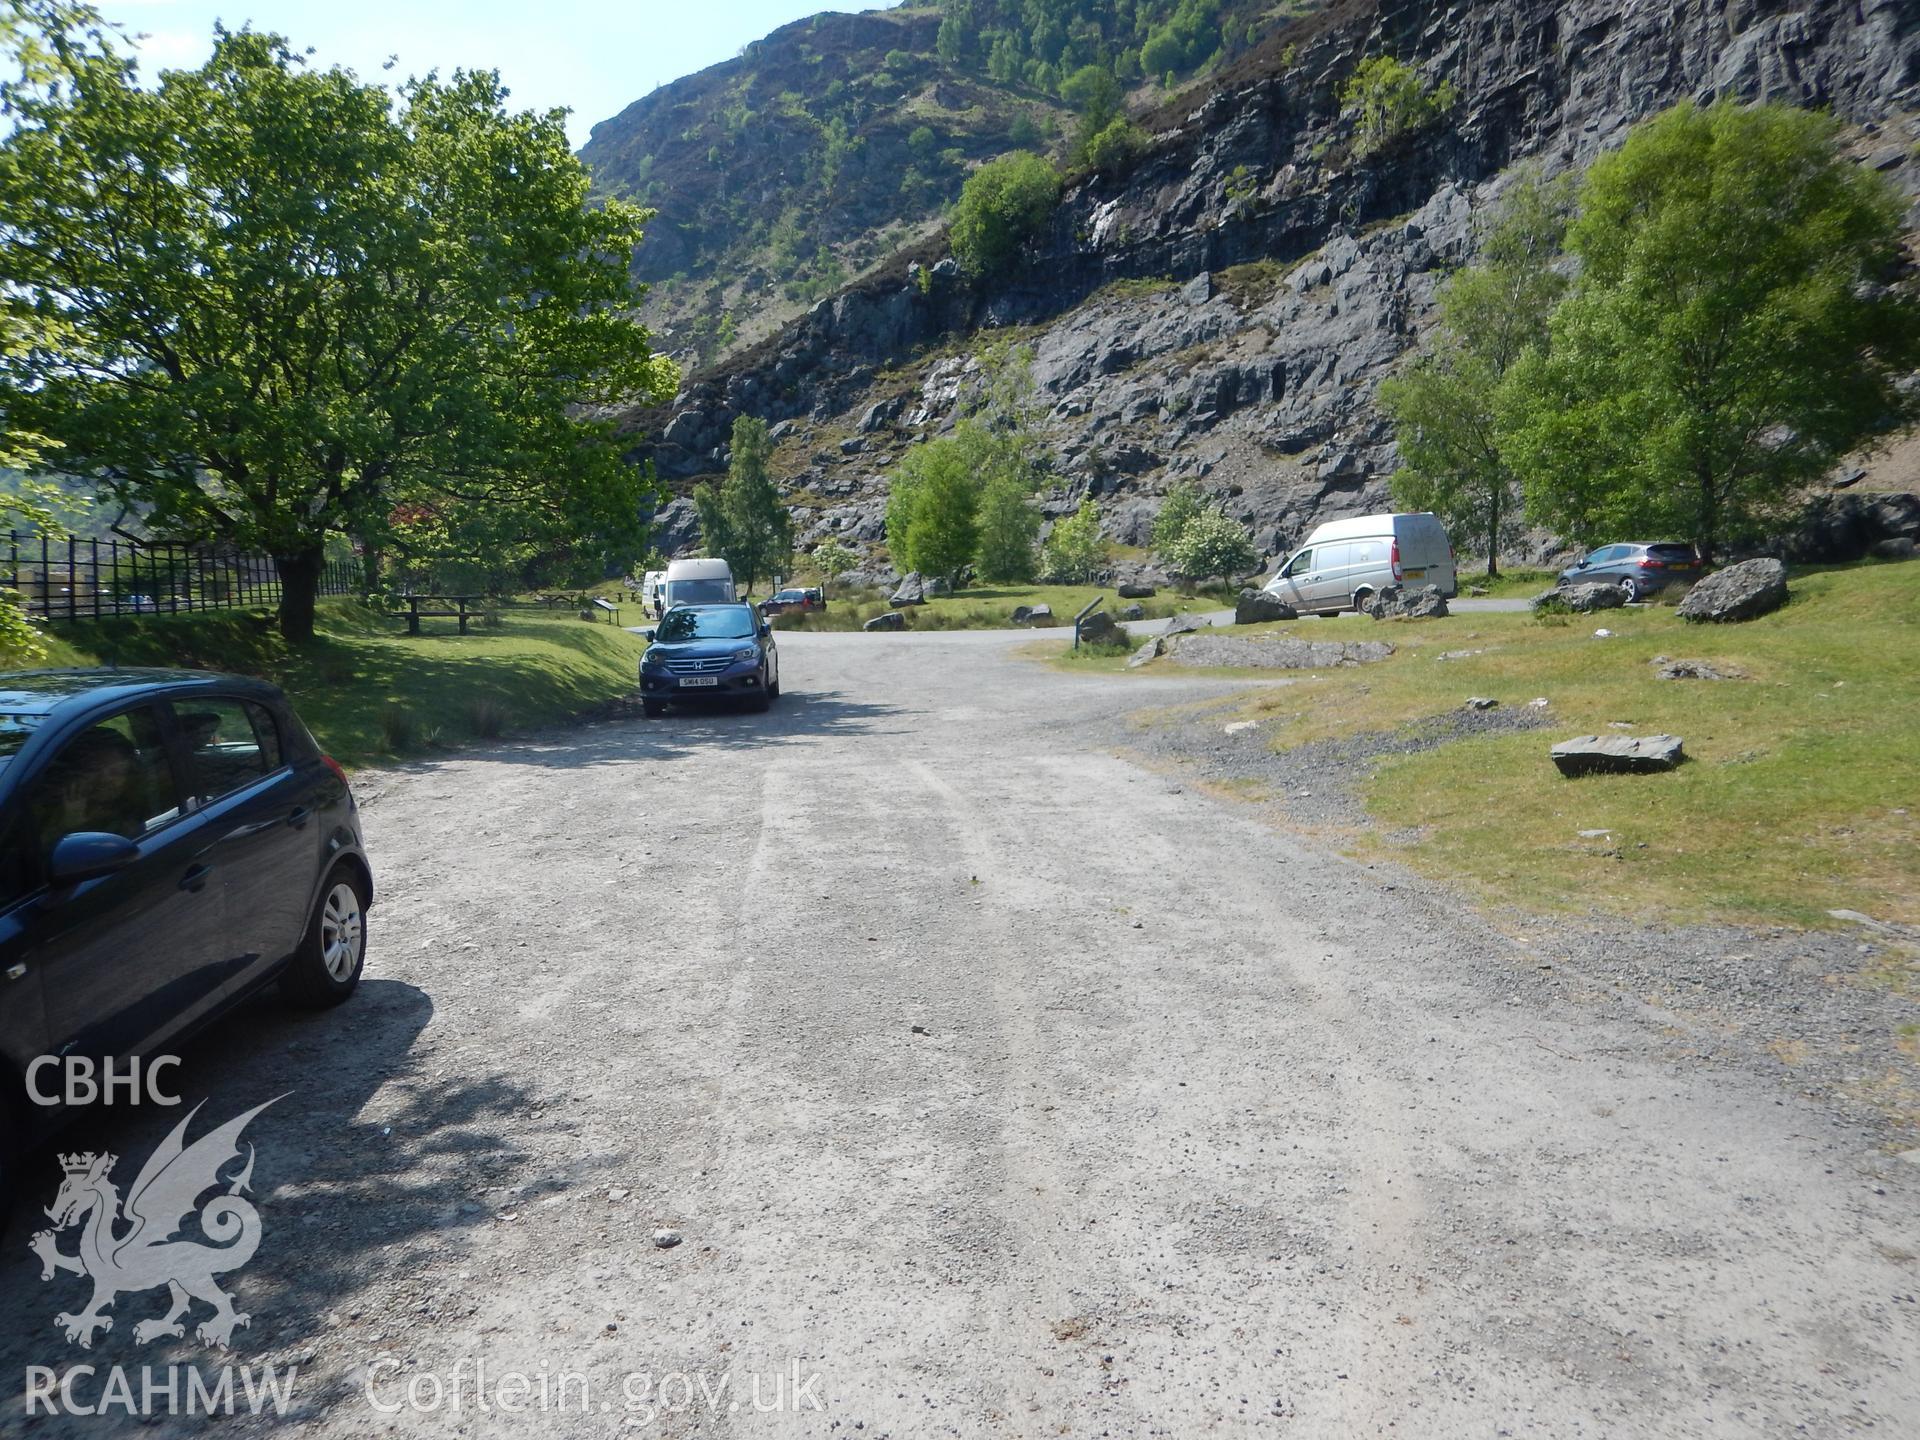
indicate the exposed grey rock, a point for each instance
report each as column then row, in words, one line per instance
column 1897, row 547
column 1256, row 607
column 1100, row 628
column 1039, row 615
column 1274, row 652
column 882, row 413
column 910, row 591
column 1198, row 290
column 1585, row 597
column 1148, row 652
column 1186, row 623
column 1739, row 592
column 1133, row 612
column 666, row 1239
column 676, row 528
column 1134, row 591
column 1396, row 602
column 1481, row 702
column 937, row 585
column 1665, row 669
column 1617, row 754
column 891, row 620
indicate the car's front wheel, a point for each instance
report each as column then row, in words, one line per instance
column 326, row 968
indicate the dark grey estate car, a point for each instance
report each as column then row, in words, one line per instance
column 1639, row 567
column 170, row 842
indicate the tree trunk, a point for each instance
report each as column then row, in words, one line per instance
column 299, row 589
column 1493, row 537
column 370, row 566
column 1709, row 517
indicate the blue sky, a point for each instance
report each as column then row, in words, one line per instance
column 593, row 56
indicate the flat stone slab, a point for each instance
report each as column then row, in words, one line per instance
column 1617, row 754
column 1280, row 652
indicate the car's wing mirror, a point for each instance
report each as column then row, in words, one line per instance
column 649, row 634
column 766, row 628
column 89, row 854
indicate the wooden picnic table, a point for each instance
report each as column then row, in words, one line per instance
column 465, row 607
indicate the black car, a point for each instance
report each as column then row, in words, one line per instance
column 1641, row 567
column 170, row 842
column 800, row 601
column 710, row 652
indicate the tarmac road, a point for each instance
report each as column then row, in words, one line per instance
column 1010, row 1088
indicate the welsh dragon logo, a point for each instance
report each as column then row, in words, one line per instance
column 145, row 1255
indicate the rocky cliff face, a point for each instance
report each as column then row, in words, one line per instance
column 1225, row 311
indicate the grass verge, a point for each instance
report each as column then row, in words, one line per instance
column 991, row 607
column 1801, row 794
column 369, row 691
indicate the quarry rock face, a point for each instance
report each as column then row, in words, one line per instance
column 1224, row 312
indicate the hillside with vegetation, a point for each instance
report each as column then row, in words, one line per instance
column 829, row 144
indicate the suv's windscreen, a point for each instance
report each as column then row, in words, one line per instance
column 718, row 622
column 15, row 731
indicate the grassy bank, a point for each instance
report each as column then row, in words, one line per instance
column 369, row 691
column 991, row 607
column 1801, row 794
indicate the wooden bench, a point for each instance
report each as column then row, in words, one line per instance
column 465, row 608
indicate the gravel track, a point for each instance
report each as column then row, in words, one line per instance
column 1013, row 1087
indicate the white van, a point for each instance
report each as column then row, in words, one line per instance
column 1344, row 562
column 699, row 582
column 653, row 593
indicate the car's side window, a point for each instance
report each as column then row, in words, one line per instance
column 224, row 753
column 112, row 777
column 1301, row 563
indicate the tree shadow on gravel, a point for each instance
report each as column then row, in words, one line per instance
column 620, row 732
column 347, row 1187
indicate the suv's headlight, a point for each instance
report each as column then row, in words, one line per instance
column 652, row 657
column 747, row 654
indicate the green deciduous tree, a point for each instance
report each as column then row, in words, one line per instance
column 1076, row 553
column 743, row 521
column 1181, row 507
column 287, row 307
column 832, row 558
column 933, row 509
column 1728, row 338
column 1009, row 526
column 1446, row 407
column 1002, row 205
column 1212, row 544
column 1392, row 100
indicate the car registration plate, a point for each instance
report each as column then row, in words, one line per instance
column 1419, row 574
column 698, row 681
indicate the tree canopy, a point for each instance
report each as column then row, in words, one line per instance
column 1730, row 336
column 278, row 305
column 744, row 521
column 1002, row 205
column 1446, row 406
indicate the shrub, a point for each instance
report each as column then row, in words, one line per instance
column 1212, row 544
column 1114, row 148
column 1002, row 205
column 1076, row 552
column 1393, row 100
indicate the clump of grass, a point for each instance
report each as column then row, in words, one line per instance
column 486, row 717
column 398, row 729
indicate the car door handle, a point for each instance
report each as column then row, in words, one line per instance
column 195, row 880
column 17, row 972
column 298, row 819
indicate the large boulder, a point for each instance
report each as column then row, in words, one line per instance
column 912, row 590
column 1396, row 602
column 1255, row 607
column 1149, row 651
column 1899, row 547
column 892, row 620
column 1033, row 615
column 1739, row 592
column 1100, row 628
column 1617, row 754
column 1134, row 591
column 1584, row 597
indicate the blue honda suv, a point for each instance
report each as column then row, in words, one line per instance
column 170, row 842
column 710, row 652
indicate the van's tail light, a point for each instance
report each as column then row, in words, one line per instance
column 1394, row 559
